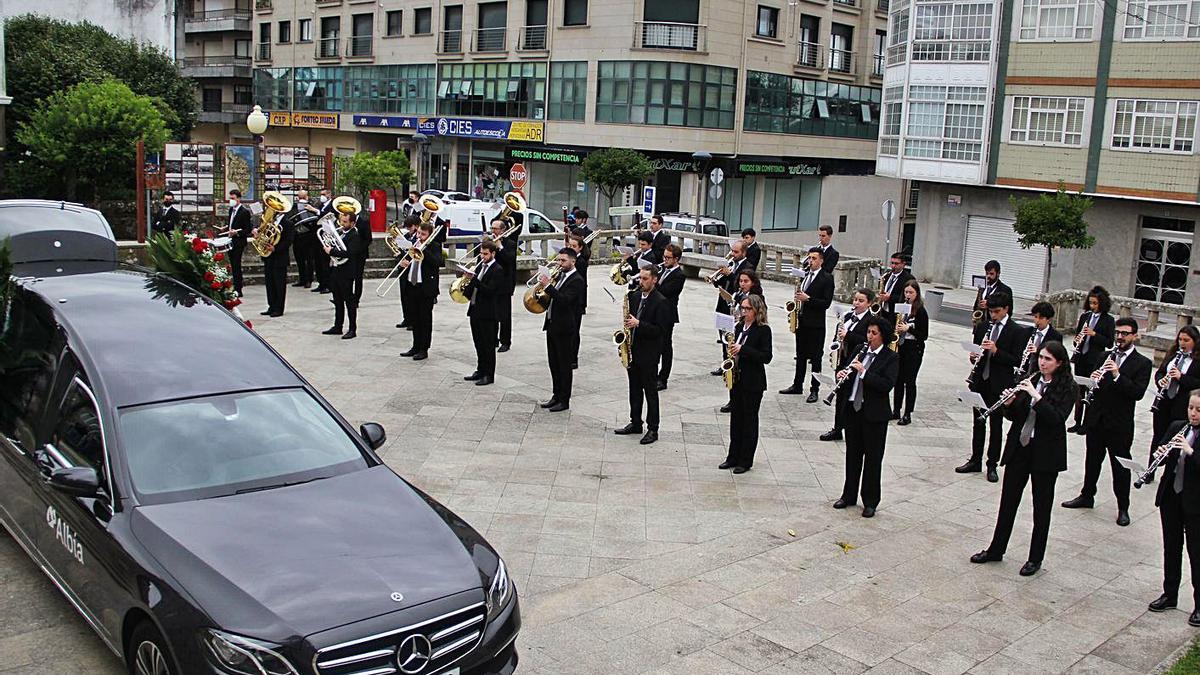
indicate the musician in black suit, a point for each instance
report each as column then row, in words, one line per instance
column 1178, row 502
column 913, row 331
column 561, row 301
column 422, row 278
column 507, row 259
column 825, row 245
column 850, row 334
column 660, row 239
column 649, row 318
column 753, row 250
column 305, row 240
column 341, row 277
column 1093, row 337
column 893, row 285
column 239, row 230
column 275, row 266
column 814, row 294
column 320, row 259
column 485, row 289
column 1178, row 374
column 632, row 263
column 868, row 379
column 1122, row 378
column 1036, row 451
column 411, row 224
column 582, row 259
column 169, row 217
column 670, row 285
column 991, row 286
column 726, row 278
column 1041, row 333
column 751, row 352
column 360, row 263
column 992, row 372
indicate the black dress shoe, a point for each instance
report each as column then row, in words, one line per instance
column 661, row 386
column 727, row 408
column 350, row 335
column 548, row 404
column 336, row 330
column 1123, row 518
column 1079, row 502
column 628, row 429
column 895, row 415
column 408, row 328
column 726, row 465
column 408, row 353
column 503, row 348
column 969, row 467
column 813, row 396
column 403, row 324
column 1194, row 618
column 265, row 313
column 575, row 366
column 558, row 407
column 905, row 421
column 420, row 356
column 1162, row 604
column 649, row 438
column 484, row 381
column 473, row 376
column 325, row 291
column 1073, row 429
column 985, row 556
column 297, row 285
column 715, row 372
column 399, row 325
column 792, row 390
column 831, row 435
column 741, row 469
column 842, row 503
column 1030, row 568
column 992, row 476
column 318, row 289
column 868, row 512
column 275, row 314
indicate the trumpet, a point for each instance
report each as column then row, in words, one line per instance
column 623, row 338
column 1160, row 456
column 716, row 274
column 844, row 374
column 1005, row 396
column 269, row 232
column 1091, row 392
column 987, row 329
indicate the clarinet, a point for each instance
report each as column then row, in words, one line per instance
column 1165, row 383
column 1023, row 367
column 1160, row 455
column 1091, row 392
column 846, row 371
column 1004, row 398
column 987, row 330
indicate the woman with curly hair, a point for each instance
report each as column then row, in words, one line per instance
column 1093, row 337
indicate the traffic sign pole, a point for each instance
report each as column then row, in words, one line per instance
column 888, row 210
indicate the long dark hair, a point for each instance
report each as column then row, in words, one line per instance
column 919, row 302
column 1102, row 297
column 755, row 283
column 1192, row 332
column 1063, row 384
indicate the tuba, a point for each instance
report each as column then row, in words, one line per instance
column 623, row 338
column 274, row 203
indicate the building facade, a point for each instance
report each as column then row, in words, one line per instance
column 987, row 100
column 214, row 49
column 785, row 95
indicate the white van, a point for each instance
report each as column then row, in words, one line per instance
column 473, row 218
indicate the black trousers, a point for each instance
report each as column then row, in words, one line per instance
column 1178, row 528
column 344, row 304
column 1114, row 443
column 865, row 442
column 504, row 325
column 275, row 277
column 303, row 247
column 807, row 355
column 421, row 321
column 575, row 339
column 1012, row 489
column 743, row 425
column 235, row 261
column 643, row 384
column 483, row 334
column 668, row 355
column 905, row 393
column 992, row 429
column 321, row 267
column 558, row 354
column 405, row 303
column 360, row 267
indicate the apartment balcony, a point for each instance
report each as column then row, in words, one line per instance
column 810, row 56
column 217, row 21
column 842, row 63
column 223, row 113
column 877, row 66
column 215, row 66
column 490, row 40
column 532, row 39
column 450, row 42
column 359, row 47
column 327, row 48
column 690, row 37
column 263, row 52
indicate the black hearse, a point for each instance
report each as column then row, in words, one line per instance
column 198, row 502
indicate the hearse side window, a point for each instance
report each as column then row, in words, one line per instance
column 77, row 434
column 28, row 360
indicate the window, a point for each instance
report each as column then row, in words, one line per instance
column 897, row 51
column 878, row 58
column 404, row 89
column 241, row 48
column 395, row 23
column 575, row 12
column 945, row 123
column 319, row 89
column 1047, row 120
column 889, row 130
column 272, row 88
column 285, row 32
column 77, row 435
column 1162, row 19
column 810, row 42
column 768, row 22
column 493, row 89
column 952, row 31
column 666, row 93
column 1057, row 19
column 331, row 27
column 1164, row 259
column 264, row 33
column 304, row 30
column 492, row 27
column 1165, row 126
column 26, row 374
column 361, row 28
column 568, row 90
column 841, row 48
column 784, row 104
column 914, row 195
column 243, row 95
column 422, row 21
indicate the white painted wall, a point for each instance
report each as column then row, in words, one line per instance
column 150, row 21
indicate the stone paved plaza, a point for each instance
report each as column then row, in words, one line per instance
column 634, row 558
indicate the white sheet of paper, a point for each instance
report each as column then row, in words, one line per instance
column 970, row 347
column 643, row 263
column 464, row 269
column 903, row 308
column 971, row 398
column 543, row 271
column 799, row 271
column 624, row 250
column 980, row 283
column 1085, row 381
column 1132, row 465
column 723, row 322
column 824, row 379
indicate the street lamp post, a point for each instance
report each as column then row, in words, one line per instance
column 256, row 124
column 701, row 160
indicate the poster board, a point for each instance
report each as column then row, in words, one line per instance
column 188, row 172
column 286, row 169
column 241, row 171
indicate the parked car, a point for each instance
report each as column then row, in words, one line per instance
column 201, row 505
column 451, row 196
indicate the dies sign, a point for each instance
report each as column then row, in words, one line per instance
column 518, row 176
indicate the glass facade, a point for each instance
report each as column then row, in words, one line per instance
column 568, row 90
column 492, row 89
column 319, row 89
column 665, row 93
column 272, row 88
column 390, row 89
column 794, row 105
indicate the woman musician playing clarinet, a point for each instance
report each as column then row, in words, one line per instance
column 1178, row 375
column 1178, row 502
column 1093, row 338
column 913, row 330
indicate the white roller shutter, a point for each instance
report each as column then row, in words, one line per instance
column 994, row 239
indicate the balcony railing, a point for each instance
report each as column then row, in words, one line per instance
column 217, row 60
column 665, row 35
column 358, row 45
column 222, row 107
column 451, row 42
column 327, row 48
column 491, row 39
column 216, row 14
column 877, row 65
column 841, row 61
column 533, row 38
column 810, row 55
column 264, row 52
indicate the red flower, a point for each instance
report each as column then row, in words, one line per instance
column 198, row 245
column 228, row 284
column 236, row 302
column 249, row 325
column 209, row 276
column 216, row 285
column 219, row 257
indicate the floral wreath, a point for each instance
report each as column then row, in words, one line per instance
column 193, row 261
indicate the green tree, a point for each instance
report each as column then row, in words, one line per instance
column 612, row 169
column 1054, row 221
column 88, row 134
column 362, row 172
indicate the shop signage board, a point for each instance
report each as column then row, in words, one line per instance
column 788, row 168
column 517, row 153
column 303, row 120
column 457, row 127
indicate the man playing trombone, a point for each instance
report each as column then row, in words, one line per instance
column 814, row 295
column 993, row 372
column 647, row 322
column 506, row 257
column 562, row 306
column 420, row 272
column 485, row 290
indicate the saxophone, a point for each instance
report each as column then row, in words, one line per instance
column 623, row 338
column 729, row 367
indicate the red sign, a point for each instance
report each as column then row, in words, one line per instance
column 518, row 176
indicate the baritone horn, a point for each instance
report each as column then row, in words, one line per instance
column 513, row 203
column 431, row 204
column 269, row 232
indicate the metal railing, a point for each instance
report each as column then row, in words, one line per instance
column 358, row 45
column 667, row 35
column 222, row 107
column 810, row 55
column 327, row 48
column 218, row 60
column 841, row 61
column 451, row 42
column 491, row 39
column 263, row 53
column 215, row 14
column 877, row 65
column 532, row 38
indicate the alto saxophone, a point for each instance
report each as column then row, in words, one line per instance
column 623, row 338
column 729, row 367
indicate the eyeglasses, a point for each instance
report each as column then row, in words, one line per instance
column 750, row 307
column 1125, row 333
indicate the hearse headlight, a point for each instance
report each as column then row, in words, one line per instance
column 244, row 656
column 499, row 592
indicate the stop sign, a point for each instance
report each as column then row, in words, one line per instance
column 518, row 176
